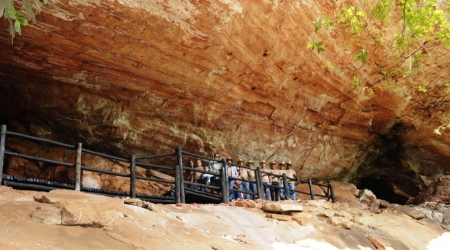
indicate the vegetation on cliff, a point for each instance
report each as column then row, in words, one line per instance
column 405, row 28
column 16, row 18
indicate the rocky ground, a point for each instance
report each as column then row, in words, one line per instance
column 65, row 219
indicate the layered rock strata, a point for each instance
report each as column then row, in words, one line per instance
column 133, row 77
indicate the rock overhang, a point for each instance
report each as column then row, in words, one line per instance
column 234, row 77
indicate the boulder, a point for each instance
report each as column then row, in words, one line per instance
column 414, row 213
column 281, row 207
column 344, row 191
column 68, row 207
column 245, row 203
column 365, row 195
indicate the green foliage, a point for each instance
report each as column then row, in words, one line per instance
column 361, row 56
column 316, row 45
column 382, row 9
column 399, row 31
column 320, row 21
column 354, row 18
column 447, row 86
column 423, row 20
column 404, row 28
column 356, row 82
column 16, row 18
column 422, row 88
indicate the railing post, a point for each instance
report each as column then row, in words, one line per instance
column 177, row 179
column 311, row 189
column 78, row 169
column 180, row 174
column 133, row 177
column 287, row 194
column 2, row 152
column 332, row 193
column 259, row 187
column 225, row 185
column 177, row 184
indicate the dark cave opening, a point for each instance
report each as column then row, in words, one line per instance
column 381, row 190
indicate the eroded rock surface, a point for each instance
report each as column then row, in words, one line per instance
column 230, row 76
column 33, row 220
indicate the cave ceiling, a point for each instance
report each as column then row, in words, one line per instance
column 236, row 77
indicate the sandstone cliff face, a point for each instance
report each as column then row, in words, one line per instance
column 229, row 76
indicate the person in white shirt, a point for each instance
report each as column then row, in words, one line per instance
column 215, row 166
column 232, row 172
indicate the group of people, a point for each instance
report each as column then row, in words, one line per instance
column 242, row 183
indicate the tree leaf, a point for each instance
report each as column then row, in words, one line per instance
column 37, row 5
column 422, row 88
column 17, row 27
column 23, row 21
column 12, row 14
column 361, row 56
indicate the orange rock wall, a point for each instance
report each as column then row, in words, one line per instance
column 229, row 76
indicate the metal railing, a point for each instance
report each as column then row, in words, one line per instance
column 79, row 167
column 219, row 192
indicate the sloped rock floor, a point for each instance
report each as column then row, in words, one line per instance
column 64, row 219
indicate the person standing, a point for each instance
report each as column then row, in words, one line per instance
column 282, row 170
column 206, row 177
column 215, row 166
column 252, row 179
column 190, row 174
column 198, row 176
column 290, row 173
column 274, row 181
column 265, row 178
column 244, row 178
column 232, row 172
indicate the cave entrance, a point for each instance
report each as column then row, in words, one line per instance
column 381, row 190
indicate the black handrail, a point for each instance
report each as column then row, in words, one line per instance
column 104, row 171
column 105, row 155
column 329, row 195
column 148, row 165
column 28, row 157
column 154, row 156
column 179, row 168
column 33, row 138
